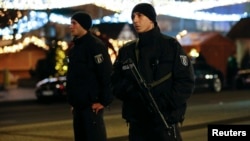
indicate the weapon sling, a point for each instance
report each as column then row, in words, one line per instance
column 155, row 83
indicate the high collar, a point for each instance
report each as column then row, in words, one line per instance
column 148, row 37
column 83, row 38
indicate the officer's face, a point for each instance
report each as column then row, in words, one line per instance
column 76, row 29
column 141, row 22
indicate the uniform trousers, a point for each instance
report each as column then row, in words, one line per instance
column 153, row 132
column 89, row 126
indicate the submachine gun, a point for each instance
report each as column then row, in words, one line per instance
column 146, row 93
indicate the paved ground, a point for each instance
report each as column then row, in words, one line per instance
column 117, row 130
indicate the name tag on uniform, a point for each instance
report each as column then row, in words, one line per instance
column 125, row 67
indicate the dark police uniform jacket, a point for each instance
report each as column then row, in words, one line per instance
column 89, row 70
column 159, row 56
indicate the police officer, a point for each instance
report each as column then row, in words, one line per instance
column 165, row 67
column 88, row 80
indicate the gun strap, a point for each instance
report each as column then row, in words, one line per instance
column 159, row 81
column 137, row 50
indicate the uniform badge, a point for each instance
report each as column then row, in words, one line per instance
column 99, row 58
column 184, row 60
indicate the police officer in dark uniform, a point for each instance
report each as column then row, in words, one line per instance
column 88, row 80
column 165, row 67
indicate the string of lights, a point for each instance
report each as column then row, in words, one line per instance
column 23, row 15
column 9, row 17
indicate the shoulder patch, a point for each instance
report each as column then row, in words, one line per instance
column 99, row 58
column 184, row 60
